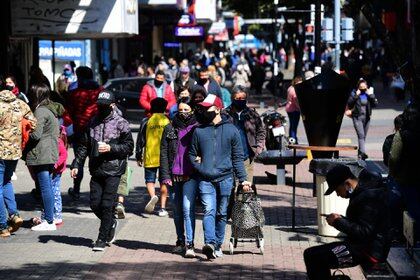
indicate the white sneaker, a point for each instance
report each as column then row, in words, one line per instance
column 189, row 251
column 163, row 213
column 58, row 222
column 150, row 206
column 44, row 226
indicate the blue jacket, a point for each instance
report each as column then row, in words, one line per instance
column 220, row 149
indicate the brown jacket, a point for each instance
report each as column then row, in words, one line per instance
column 12, row 111
column 254, row 128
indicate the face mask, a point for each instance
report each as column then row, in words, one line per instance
column 239, row 104
column 104, row 111
column 67, row 73
column 185, row 117
column 205, row 117
column 158, row 83
column 9, row 87
column 203, row 81
column 349, row 191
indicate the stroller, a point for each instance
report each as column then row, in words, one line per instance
column 247, row 219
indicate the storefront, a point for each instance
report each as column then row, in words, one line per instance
column 78, row 25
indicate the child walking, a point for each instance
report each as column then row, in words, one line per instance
column 148, row 141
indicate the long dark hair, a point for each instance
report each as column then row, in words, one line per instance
column 39, row 95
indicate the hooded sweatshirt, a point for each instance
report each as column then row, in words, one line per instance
column 12, row 111
column 220, row 149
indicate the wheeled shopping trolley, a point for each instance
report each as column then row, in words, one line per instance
column 247, row 219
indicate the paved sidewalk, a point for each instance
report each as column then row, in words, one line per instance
column 144, row 244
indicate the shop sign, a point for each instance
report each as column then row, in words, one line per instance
column 192, row 31
column 63, row 50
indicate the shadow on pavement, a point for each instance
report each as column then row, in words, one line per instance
column 26, row 202
column 135, row 245
column 70, row 240
column 147, row 269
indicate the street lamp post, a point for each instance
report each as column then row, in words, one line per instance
column 337, row 33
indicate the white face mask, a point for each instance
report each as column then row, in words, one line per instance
column 349, row 191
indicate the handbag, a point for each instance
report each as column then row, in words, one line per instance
column 398, row 82
column 125, row 182
column 26, row 128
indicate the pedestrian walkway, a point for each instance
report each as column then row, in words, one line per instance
column 144, row 242
column 144, row 245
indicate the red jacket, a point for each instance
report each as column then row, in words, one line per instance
column 60, row 165
column 82, row 104
column 148, row 93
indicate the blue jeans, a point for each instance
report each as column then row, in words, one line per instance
column 150, row 174
column 7, row 196
column 294, row 118
column 189, row 192
column 44, row 178
column 175, row 195
column 58, row 205
column 215, row 200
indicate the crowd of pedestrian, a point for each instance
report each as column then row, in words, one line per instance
column 190, row 143
column 198, row 140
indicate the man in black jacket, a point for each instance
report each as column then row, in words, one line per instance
column 184, row 81
column 108, row 143
column 365, row 224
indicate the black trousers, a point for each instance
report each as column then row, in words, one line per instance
column 103, row 192
column 320, row 259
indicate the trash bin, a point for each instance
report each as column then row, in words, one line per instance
column 332, row 203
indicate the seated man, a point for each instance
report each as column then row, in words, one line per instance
column 365, row 224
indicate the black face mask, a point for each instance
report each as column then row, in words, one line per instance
column 104, row 111
column 185, row 117
column 158, row 83
column 9, row 88
column 239, row 104
column 205, row 117
column 203, row 81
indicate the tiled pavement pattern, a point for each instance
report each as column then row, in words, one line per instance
column 143, row 248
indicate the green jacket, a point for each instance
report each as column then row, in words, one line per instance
column 401, row 168
column 43, row 144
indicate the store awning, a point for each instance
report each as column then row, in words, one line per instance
column 74, row 19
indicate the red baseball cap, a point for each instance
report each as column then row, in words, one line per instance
column 212, row 100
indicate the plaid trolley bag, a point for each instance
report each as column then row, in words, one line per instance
column 247, row 219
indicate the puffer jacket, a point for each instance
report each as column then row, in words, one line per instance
column 254, row 128
column 113, row 130
column 43, row 142
column 82, row 104
column 148, row 93
column 366, row 223
column 12, row 111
